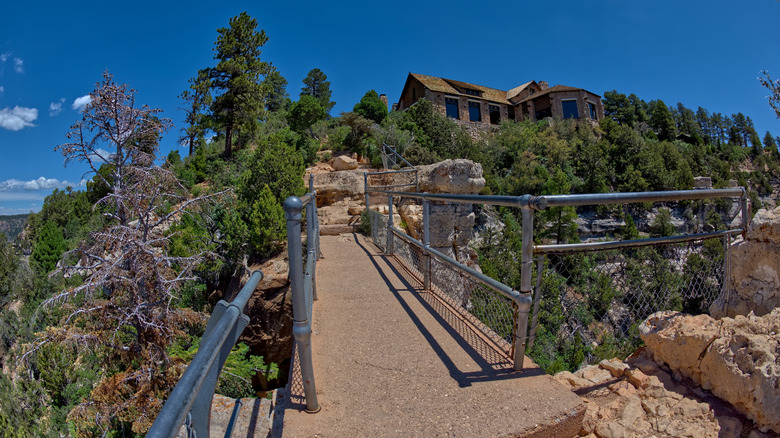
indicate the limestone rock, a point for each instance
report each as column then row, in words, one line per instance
column 344, row 162
column 452, row 176
column 736, row 359
column 337, row 186
column 755, row 278
column 615, row 366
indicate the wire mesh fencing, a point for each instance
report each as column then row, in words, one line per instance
column 592, row 302
column 489, row 312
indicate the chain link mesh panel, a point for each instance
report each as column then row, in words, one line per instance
column 378, row 229
column 488, row 311
column 598, row 298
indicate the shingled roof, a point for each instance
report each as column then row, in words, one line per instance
column 555, row 89
column 453, row 87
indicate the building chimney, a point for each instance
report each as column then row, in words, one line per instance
column 544, row 85
column 383, row 98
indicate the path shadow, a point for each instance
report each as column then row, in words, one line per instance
column 493, row 365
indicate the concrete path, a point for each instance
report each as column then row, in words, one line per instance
column 391, row 361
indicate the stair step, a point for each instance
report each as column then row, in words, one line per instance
column 336, row 229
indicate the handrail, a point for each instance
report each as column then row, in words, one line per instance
column 303, row 282
column 528, row 204
column 194, row 391
column 386, row 146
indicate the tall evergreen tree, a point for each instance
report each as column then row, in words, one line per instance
column 662, row 121
column 198, row 99
column 769, row 142
column 277, row 91
column 316, row 84
column 239, row 102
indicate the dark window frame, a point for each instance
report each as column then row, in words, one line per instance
column 495, row 114
column 569, row 114
column 451, row 107
column 476, row 114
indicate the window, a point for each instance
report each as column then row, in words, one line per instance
column 452, row 107
column 569, row 108
column 495, row 114
column 511, row 111
column 475, row 115
column 592, row 108
column 471, row 92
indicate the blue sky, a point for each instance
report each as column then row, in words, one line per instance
column 700, row 53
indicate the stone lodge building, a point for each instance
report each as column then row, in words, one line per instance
column 475, row 103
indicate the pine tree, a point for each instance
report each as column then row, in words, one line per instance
column 316, row 84
column 236, row 79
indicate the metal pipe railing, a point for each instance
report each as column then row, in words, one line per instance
column 599, row 246
column 528, row 204
column 302, row 291
column 194, row 391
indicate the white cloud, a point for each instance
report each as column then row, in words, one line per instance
column 4, row 56
column 2, row 89
column 14, row 188
column 56, row 107
column 17, row 118
column 18, row 65
column 100, row 156
column 81, row 102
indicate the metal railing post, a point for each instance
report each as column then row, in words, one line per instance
column 365, row 188
column 293, row 207
column 311, row 243
column 537, row 299
column 426, row 244
column 389, row 249
column 521, row 321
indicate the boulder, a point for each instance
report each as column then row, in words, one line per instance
column 344, row 162
column 736, row 359
column 755, row 282
column 452, row 176
column 338, row 186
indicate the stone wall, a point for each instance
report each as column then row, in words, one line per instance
column 755, row 264
column 736, row 359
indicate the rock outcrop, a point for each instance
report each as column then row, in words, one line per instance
column 452, row 176
column 637, row 398
column 344, row 162
column 736, row 359
column 755, row 284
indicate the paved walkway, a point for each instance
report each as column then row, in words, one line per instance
column 391, row 360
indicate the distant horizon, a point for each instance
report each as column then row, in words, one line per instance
column 712, row 59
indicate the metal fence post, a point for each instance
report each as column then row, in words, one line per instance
column 311, row 243
column 521, row 321
column 365, row 188
column 293, row 207
column 426, row 244
column 390, row 248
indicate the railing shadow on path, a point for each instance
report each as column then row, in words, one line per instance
column 494, row 365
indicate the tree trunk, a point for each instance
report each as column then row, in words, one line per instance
column 228, row 142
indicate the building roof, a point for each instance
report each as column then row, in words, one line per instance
column 517, row 90
column 450, row 86
column 555, row 89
